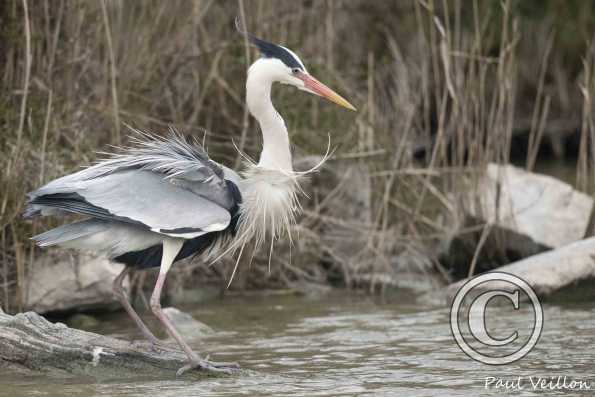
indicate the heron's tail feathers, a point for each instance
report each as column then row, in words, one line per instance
column 69, row 233
column 107, row 238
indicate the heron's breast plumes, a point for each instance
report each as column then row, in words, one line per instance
column 269, row 205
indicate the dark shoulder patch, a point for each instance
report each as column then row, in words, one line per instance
column 235, row 192
column 235, row 210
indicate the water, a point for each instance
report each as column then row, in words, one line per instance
column 345, row 344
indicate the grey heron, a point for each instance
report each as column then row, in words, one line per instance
column 163, row 199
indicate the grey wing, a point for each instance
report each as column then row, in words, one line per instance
column 177, row 206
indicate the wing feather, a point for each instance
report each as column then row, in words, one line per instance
column 143, row 198
column 165, row 185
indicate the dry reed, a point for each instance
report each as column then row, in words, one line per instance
column 451, row 80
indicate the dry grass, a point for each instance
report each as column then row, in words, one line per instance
column 457, row 78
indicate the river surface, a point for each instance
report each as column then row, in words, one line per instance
column 347, row 344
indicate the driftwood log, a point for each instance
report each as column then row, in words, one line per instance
column 28, row 342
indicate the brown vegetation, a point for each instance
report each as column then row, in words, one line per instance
column 452, row 81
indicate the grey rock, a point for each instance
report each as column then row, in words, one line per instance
column 550, row 271
column 548, row 211
column 344, row 234
column 524, row 214
column 62, row 281
column 189, row 327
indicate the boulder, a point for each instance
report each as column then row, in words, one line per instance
column 348, row 215
column 63, row 281
column 550, row 271
column 548, row 211
column 525, row 213
column 338, row 222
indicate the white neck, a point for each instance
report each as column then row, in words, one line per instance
column 276, row 152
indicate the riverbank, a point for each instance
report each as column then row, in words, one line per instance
column 442, row 91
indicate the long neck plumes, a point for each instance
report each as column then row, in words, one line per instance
column 276, row 152
column 269, row 188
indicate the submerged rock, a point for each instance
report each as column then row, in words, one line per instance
column 186, row 324
column 82, row 321
column 71, row 282
column 551, row 271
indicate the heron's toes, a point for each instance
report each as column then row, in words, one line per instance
column 211, row 366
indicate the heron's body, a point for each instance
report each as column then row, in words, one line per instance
column 164, row 199
column 161, row 189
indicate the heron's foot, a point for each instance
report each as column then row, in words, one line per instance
column 212, row 366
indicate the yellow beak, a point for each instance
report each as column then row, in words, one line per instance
column 316, row 87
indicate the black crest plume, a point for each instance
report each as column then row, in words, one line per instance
column 270, row 50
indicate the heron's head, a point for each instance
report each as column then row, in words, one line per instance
column 283, row 66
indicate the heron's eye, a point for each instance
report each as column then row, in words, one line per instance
column 295, row 70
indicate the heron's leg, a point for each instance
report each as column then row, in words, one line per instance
column 171, row 247
column 121, row 295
